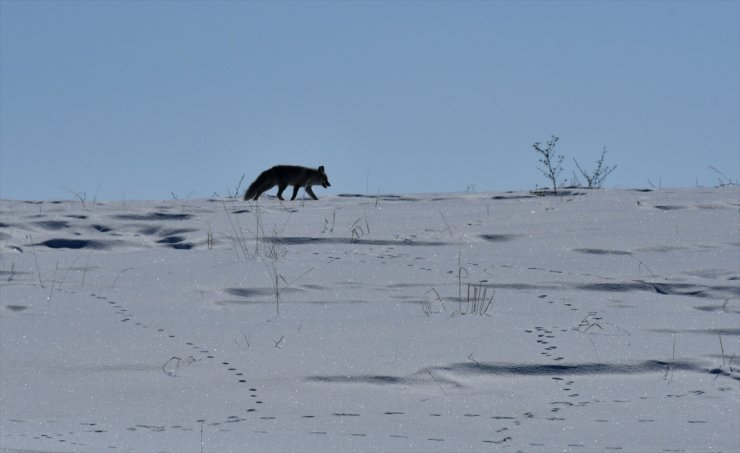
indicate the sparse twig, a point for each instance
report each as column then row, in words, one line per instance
column 292, row 282
column 447, row 224
column 426, row 306
column 327, row 227
column 247, row 342
column 552, row 163
column 596, row 178
column 641, row 264
column 66, row 273
column 167, row 367
column 36, row 259
column 436, row 382
column 477, row 301
column 53, row 282
column 356, row 229
column 81, row 196
column 279, row 342
column 586, row 324
column 669, row 367
column 12, row 272
column 84, row 272
column 271, row 255
column 237, row 190
column 172, row 365
column 113, row 285
column 723, row 180
column 427, row 302
column 659, row 186
column 460, row 270
column 239, row 239
column 202, row 422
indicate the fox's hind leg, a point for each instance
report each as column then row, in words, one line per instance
column 295, row 192
column 281, row 187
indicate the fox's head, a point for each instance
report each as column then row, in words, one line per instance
column 323, row 179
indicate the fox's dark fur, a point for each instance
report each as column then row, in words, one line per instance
column 287, row 175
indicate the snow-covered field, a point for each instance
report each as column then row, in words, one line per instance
column 590, row 321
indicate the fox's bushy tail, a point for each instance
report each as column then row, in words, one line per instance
column 256, row 188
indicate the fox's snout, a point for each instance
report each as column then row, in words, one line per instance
column 326, row 184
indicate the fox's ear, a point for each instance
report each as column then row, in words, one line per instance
column 321, row 169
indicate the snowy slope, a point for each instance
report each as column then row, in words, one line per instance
column 611, row 321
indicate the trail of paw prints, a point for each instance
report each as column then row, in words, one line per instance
column 566, row 304
column 119, row 310
column 176, row 365
column 499, row 436
column 61, row 437
column 199, row 352
column 226, row 424
column 545, row 338
column 569, row 399
column 574, row 274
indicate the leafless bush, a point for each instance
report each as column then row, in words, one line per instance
column 596, row 178
column 552, row 163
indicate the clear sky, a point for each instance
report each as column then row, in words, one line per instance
column 142, row 100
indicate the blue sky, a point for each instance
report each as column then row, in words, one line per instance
column 142, row 100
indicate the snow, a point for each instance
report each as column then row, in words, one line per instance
column 613, row 323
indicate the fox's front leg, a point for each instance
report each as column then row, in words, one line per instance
column 310, row 193
column 295, row 192
column 280, row 191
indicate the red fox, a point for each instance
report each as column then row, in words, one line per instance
column 287, row 175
